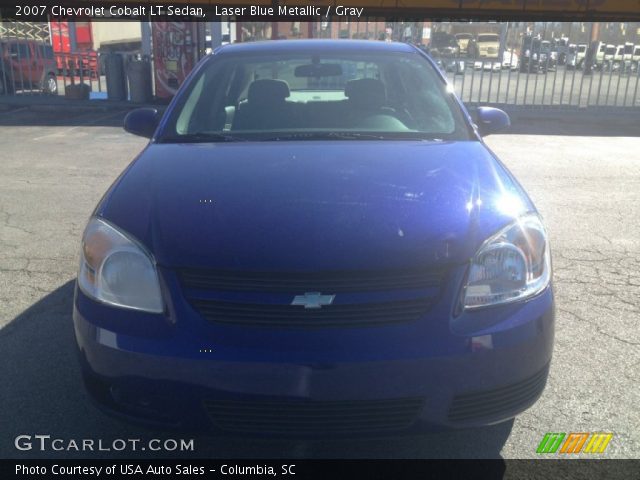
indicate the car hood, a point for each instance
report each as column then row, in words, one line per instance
column 313, row 205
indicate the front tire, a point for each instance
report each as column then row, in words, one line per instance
column 51, row 85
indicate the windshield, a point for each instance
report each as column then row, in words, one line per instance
column 610, row 50
column 487, row 38
column 321, row 96
column 444, row 40
column 582, row 48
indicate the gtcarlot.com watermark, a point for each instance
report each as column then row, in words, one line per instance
column 47, row 443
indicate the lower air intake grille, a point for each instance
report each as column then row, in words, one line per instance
column 314, row 417
column 491, row 403
column 350, row 315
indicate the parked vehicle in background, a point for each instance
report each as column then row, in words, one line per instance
column 604, row 55
column 600, row 51
column 450, row 64
column 610, row 53
column 623, row 59
column 608, row 57
column 560, row 48
column 635, row 58
column 485, row 45
column 27, row 65
column 510, row 60
column 581, row 52
column 547, row 48
column 463, row 41
column 488, row 65
column 628, row 51
column 445, row 51
column 443, row 44
column 571, row 60
column 537, row 56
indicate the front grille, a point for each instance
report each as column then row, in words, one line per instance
column 298, row 282
column 490, row 403
column 303, row 416
column 349, row 315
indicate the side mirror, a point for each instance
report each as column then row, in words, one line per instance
column 142, row 122
column 491, row 120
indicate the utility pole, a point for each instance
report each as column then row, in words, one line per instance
column 145, row 33
column 216, row 33
column 595, row 31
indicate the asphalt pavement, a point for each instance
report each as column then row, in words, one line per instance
column 54, row 167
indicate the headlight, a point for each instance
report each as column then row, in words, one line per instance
column 117, row 270
column 512, row 265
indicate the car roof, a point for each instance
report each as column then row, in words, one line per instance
column 314, row 45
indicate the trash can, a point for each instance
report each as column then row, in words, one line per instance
column 116, row 81
column 139, row 75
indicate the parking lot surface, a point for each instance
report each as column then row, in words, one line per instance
column 55, row 167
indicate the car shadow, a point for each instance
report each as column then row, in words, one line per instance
column 42, row 393
column 65, row 116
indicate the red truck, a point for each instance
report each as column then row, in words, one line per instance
column 26, row 65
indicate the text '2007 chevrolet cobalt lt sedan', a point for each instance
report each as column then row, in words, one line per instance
column 315, row 240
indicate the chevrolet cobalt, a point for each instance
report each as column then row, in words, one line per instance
column 316, row 240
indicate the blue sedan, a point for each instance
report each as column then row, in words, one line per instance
column 316, row 240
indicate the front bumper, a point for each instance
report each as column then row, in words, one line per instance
column 165, row 375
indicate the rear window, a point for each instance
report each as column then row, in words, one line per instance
column 20, row 49
column 444, row 40
column 487, row 38
column 388, row 95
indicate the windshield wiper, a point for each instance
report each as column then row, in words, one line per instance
column 202, row 137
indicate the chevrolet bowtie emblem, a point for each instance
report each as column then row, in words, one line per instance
column 313, row 300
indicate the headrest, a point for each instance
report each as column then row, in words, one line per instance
column 366, row 92
column 267, row 91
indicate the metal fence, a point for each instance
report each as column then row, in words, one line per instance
column 30, row 65
column 549, row 65
column 560, row 64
